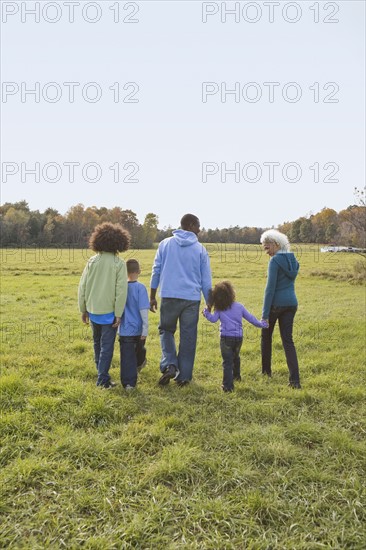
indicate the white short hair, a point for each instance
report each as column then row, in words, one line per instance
column 274, row 236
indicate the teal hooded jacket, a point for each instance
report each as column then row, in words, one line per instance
column 280, row 289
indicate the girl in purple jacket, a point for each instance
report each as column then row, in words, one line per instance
column 230, row 314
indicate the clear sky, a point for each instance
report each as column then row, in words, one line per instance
column 296, row 70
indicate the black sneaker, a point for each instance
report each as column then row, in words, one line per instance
column 171, row 372
column 227, row 390
column 237, row 378
column 295, row 385
column 108, row 386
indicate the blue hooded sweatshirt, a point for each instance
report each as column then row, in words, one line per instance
column 182, row 267
column 280, row 290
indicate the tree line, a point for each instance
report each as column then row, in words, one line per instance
column 20, row 226
column 344, row 228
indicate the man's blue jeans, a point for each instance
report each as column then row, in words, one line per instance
column 103, row 337
column 133, row 354
column 230, row 352
column 187, row 312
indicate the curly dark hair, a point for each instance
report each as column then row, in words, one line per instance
column 223, row 296
column 109, row 237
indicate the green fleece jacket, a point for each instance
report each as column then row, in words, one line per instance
column 103, row 285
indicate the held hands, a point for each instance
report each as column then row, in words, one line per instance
column 265, row 323
column 207, row 309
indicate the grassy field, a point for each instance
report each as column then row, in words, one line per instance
column 265, row 467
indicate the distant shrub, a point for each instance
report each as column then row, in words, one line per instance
column 359, row 270
column 357, row 276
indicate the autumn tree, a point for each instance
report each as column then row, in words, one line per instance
column 150, row 229
column 306, row 231
column 321, row 222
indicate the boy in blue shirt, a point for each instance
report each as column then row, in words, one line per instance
column 133, row 328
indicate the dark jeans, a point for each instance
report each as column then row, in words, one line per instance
column 187, row 312
column 133, row 354
column 103, row 339
column 285, row 316
column 230, row 351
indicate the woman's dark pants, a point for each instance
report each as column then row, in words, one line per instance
column 285, row 316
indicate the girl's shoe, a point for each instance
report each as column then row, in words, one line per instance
column 182, row 383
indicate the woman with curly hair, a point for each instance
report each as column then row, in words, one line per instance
column 103, row 293
column 280, row 302
column 230, row 314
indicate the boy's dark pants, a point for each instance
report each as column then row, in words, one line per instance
column 230, row 351
column 133, row 354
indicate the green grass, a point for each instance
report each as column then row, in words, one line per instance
column 266, row 467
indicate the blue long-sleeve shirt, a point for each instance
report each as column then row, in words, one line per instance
column 182, row 267
column 231, row 320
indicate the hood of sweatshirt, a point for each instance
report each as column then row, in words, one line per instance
column 184, row 238
column 288, row 263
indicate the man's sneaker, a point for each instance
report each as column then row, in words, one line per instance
column 227, row 390
column 237, row 378
column 140, row 367
column 129, row 388
column 171, row 372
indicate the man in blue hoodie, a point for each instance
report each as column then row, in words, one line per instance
column 182, row 270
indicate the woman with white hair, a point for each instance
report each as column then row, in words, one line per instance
column 280, row 302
